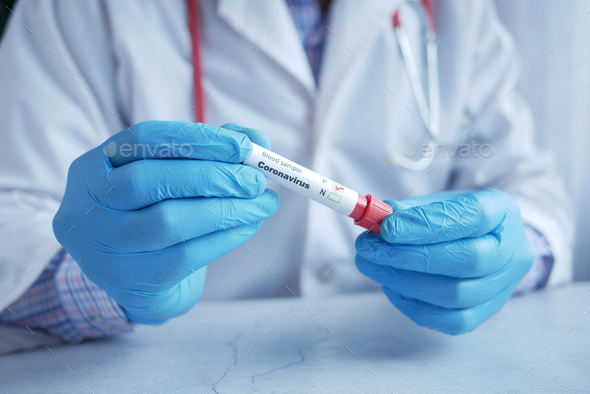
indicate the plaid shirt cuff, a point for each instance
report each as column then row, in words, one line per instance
column 538, row 275
column 65, row 303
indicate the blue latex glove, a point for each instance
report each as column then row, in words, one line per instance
column 448, row 261
column 144, row 228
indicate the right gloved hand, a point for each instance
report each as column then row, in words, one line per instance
column 144, row 223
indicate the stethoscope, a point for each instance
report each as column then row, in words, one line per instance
column 429, row 110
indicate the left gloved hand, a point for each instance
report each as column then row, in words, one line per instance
column 448, row 261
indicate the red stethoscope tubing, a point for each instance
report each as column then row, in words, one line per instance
column 429, row 13
column 198, row 73
column 427, row 4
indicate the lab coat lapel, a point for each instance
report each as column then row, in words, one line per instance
column 352, row 26
column 270, row 29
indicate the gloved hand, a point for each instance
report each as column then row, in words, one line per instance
column 144, row 220
column 448, row 261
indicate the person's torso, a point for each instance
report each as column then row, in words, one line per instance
column 257, row 74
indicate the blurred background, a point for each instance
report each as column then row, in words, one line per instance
column 553, row 37
column 558, row 91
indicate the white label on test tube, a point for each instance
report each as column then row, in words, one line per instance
column 302, row 180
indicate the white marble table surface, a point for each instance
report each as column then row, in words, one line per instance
column 345, row 344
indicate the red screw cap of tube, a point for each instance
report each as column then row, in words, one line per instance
column 374, row 213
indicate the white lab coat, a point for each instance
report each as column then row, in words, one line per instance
column 73, row 73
